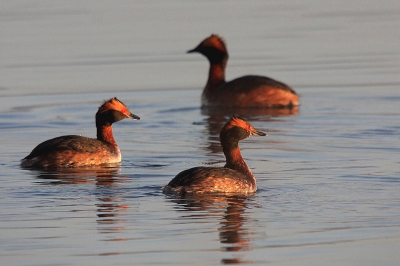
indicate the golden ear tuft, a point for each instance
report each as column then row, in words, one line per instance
column 111, row 104
column 216, row 41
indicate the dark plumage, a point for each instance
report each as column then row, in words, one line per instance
column 247, row 91
column 234, row 177
column 75, row 151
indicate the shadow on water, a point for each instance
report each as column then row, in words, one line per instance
column 233, row 233
column 249, row 112
column 217, row 117
column 109, row 205
column 98, row 175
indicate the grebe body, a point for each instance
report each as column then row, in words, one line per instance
column 247, row 91
column 235, row 177
column 77, row 151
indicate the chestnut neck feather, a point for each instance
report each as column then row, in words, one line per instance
column 104, row 123
column 218, row 60
column 230, row 144
column 104, row 133
column 234, row 160
column 216, row 76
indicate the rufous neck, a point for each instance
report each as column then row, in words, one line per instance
column 104, row 133
column 234, row 160
column 216, row 75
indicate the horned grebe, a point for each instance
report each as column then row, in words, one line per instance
column 234, row 177
column 77, row 151
column 246, row 91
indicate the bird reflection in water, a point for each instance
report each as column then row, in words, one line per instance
column 217, row 117
column 106, row 180
column 99, row 175
column 232, row 231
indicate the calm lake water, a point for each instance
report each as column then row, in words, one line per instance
column 328, row 173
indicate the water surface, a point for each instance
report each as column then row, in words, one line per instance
column 328, row 173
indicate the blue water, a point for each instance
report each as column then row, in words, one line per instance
column 328, row 173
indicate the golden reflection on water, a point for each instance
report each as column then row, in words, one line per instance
column 109, row 206
column 101, row 175
column 233, row 233
column 249, row 112
column 217, row 117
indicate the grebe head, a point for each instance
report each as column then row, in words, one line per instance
column 237, row 129
column 113, row 110
column 213, row 48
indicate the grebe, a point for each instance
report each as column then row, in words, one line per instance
column 234, row 177
column 77, row 151
column 246, row 91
